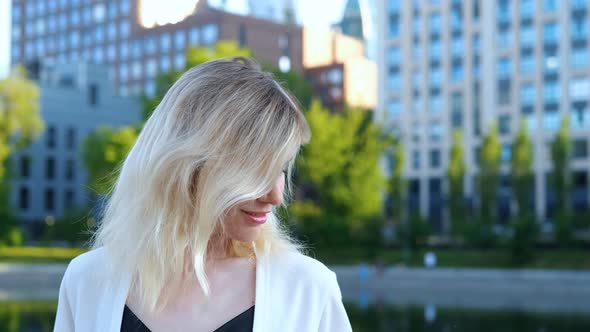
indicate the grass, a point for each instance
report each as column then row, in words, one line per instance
column 38, row 254
column 571, row 259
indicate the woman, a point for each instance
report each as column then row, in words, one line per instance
column 190, row 240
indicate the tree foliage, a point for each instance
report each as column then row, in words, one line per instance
column 489, row 171
column 20, row 123
column 456, row 176
column 341, row 166
column 103, row 152
column 521, row 169
column 560, row 175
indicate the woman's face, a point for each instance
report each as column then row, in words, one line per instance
column 243, row 222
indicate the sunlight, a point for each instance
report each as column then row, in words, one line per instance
column 157, row 12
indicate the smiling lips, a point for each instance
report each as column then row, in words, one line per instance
column 257, row 217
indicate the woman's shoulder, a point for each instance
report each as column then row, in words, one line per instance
column 85, row 265
column 301, row 266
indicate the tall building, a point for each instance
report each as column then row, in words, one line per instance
column 50, row 177
column 450, row 64
column 136, row 40
column 359, row 20
column 338, row 70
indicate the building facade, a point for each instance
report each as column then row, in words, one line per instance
column 132, row 41
column 338, row 70
column 50, row 177
column 449, row 64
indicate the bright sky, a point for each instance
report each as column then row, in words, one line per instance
column 311, row 13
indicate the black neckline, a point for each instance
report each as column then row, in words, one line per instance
column 144, row 327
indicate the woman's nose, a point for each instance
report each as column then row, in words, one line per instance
column 275, row 195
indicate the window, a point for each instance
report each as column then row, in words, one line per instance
column 179, row 39
column 551, row 60
column 416, row 159
column 504, row 67
column 551, row 121
column 435, row 23
column 435, row 131
column 505, row 153
column 550, row 33
column 580, row 89
column 436, row 102
column 194, row 36
column 580, row 116
column 580, row 149
column 93, row 94
column 136, row 70
column 165, row 63
column 393, row 25
column 579, row 4
column 393, row 109
column 124, row 7
column 435, row 158
column 124, row 29
column 25, row 167
column 527, row 63
column 394, row 79
column 136, row 49
column 71, row 138
column 210, row 34
column 123, row 72
column 123, row 51
column 504, row 92
column 503, row 11
column 457, row 71
column 527, row 95
column 435, row 49
column 580, row 57
column 49, row 200
column 165, row 42
column 69, row 199
column 394, row 56
column 549, row 5
column 504, row 124
column 50, row 168
column 151, row 68
column 51, row 137
column 551, row 92
column 456, row 109
column 579, row 26
column 23, row 200
column 435, row 76
column 457, row 47
column 503, row 38
column 150, row 45
column 527, row 9
column 70, row 169
column 179, row 61
column 111, row 53
column 149, row 88
column 242, row 35
column 527, row 36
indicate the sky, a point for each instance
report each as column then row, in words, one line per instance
column 311, row 13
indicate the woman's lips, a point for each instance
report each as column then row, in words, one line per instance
column 257, row 217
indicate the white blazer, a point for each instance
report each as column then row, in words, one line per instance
column 293, row 293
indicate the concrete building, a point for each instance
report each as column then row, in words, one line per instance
column 137, row 41
column 338, row 70
column 359, row 20
column 449, row 64
column 50, row 175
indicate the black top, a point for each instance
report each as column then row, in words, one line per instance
column 243, row 322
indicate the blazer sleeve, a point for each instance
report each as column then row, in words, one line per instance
column 334, row 317
column 64, row 319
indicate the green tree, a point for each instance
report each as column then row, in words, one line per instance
column 521, row 169
column 560, row 182
column 103, row 152
column 20, row 123
column 489, row 171
column 341, row 166
column 397, row 184
column 456, row 175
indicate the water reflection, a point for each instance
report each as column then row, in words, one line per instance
column 39, row 317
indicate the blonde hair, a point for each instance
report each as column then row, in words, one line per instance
column 221, row 136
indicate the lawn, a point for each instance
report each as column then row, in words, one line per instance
column 38, row 254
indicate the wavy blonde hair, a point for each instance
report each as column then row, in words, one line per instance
column 221, row 136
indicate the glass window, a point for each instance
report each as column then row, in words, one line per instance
column 527, row 36
column 210, row 34
column 550, row 33
column 580, row 89
column 136, row 48
column 98, row 34
column 165, row 42
column 70, row 169
column 504, row 91
column 506, row 153
column 165, row 63
column 549, row 5
column 457, row 71
column 24, row 198
column 74, row 18
column 457, row 47
column 393, row 25
column 124, row 7
column 435, row 131
column 123, row 72
column 149, row 88
column 50, row 168
column 151, row 68
column 579, row 27
column 179, row 39
column 476, row 44
column 111, row 53
column 551, row 91
column 435, row 76
column 393, row 109
column 69, row 199
column 504, row 124
column 74, row 39
column 394, row 79
column 136, row 70
column 579, row 4
column 416, row 159
column 527, row 63
column 416, row 79
column 435, row 23
column 527, row 94
column 503, row 11
column 123, row 50
column 580, row 149
column 112, row 9
column 111, row 31
column 580, row 57
column 124, row 29
column 436, row 102
column 49, row 200
column 179, row 61
column 551, row 60
column 435, row 158
column 551, row 121
column 150, row 45
column 580, row 116
column 98, row 55
column 394, row 57
column 194, row 36
column 504, row 39
column 435, row 49
column 527, row 9
column 504, row 67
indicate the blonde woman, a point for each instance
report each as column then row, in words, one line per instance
column 189, row 240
